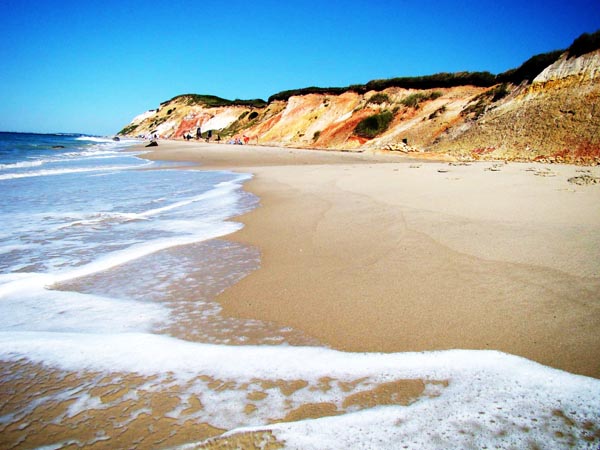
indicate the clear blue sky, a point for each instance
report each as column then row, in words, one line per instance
column 90, row 66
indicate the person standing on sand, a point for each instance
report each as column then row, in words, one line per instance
column 198, row 133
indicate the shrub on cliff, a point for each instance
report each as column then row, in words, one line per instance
column 585, row 43
column 374, row 125
column 255, row 102
column 214, row 101
column 530, row 68
column 499, row 92
column 438, row 80
column 477, row 107
column 128, row 129
column 379, row 98
column 285, row 95
column 413, row 100
column 536, row 64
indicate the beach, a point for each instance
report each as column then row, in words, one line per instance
column 369, row 254
column 225, row 296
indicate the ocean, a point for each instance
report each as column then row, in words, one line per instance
column 103, row 240
column 111, row 335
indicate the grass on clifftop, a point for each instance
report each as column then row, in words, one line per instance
column 439, row 80
column 525, row 72
column 585, row 43
column 530, row 68
column 214, row 101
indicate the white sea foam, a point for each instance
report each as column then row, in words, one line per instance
column 94, row 219
column 55, row 172
column 37, row 309
column 94, row 139
column 204, row 232
column 12, row 284
column 220, row 191
column 93, row 154
column 22, row 164
column 492, row 399
column 96, row 153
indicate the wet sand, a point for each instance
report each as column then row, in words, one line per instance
column 135, row 411
column 379, row 253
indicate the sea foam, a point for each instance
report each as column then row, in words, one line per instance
column 94, row 139
column 63, row 171
column 489, row 398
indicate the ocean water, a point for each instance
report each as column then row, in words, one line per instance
column 111, row 337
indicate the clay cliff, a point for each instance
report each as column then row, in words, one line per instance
column 548, row 109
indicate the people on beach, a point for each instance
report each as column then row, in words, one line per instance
column 198, row 133
column 208, row 135
column 152, row 143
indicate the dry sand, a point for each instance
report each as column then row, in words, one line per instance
column 378, row 253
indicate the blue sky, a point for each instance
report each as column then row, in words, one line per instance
column 90, row 66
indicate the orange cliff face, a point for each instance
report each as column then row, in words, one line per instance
column 499, row 122
column 313, row 120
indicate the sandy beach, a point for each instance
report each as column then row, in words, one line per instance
column 362, row 266
column 380, row 253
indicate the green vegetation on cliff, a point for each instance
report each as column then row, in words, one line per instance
column 285, row 95
column 413, row 100
column 127, row 130
column 584, row 44
column 439, row 80
column 214, row 101
column 530, row 68
column 374, row 125
column 370, row 110
column 379, row 99
column 525, row 72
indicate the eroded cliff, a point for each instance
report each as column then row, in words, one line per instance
column 554, row 116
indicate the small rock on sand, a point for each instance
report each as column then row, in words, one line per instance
column 583, row 180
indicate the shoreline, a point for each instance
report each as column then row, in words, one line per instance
column 368, row 255
column 358, row 254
